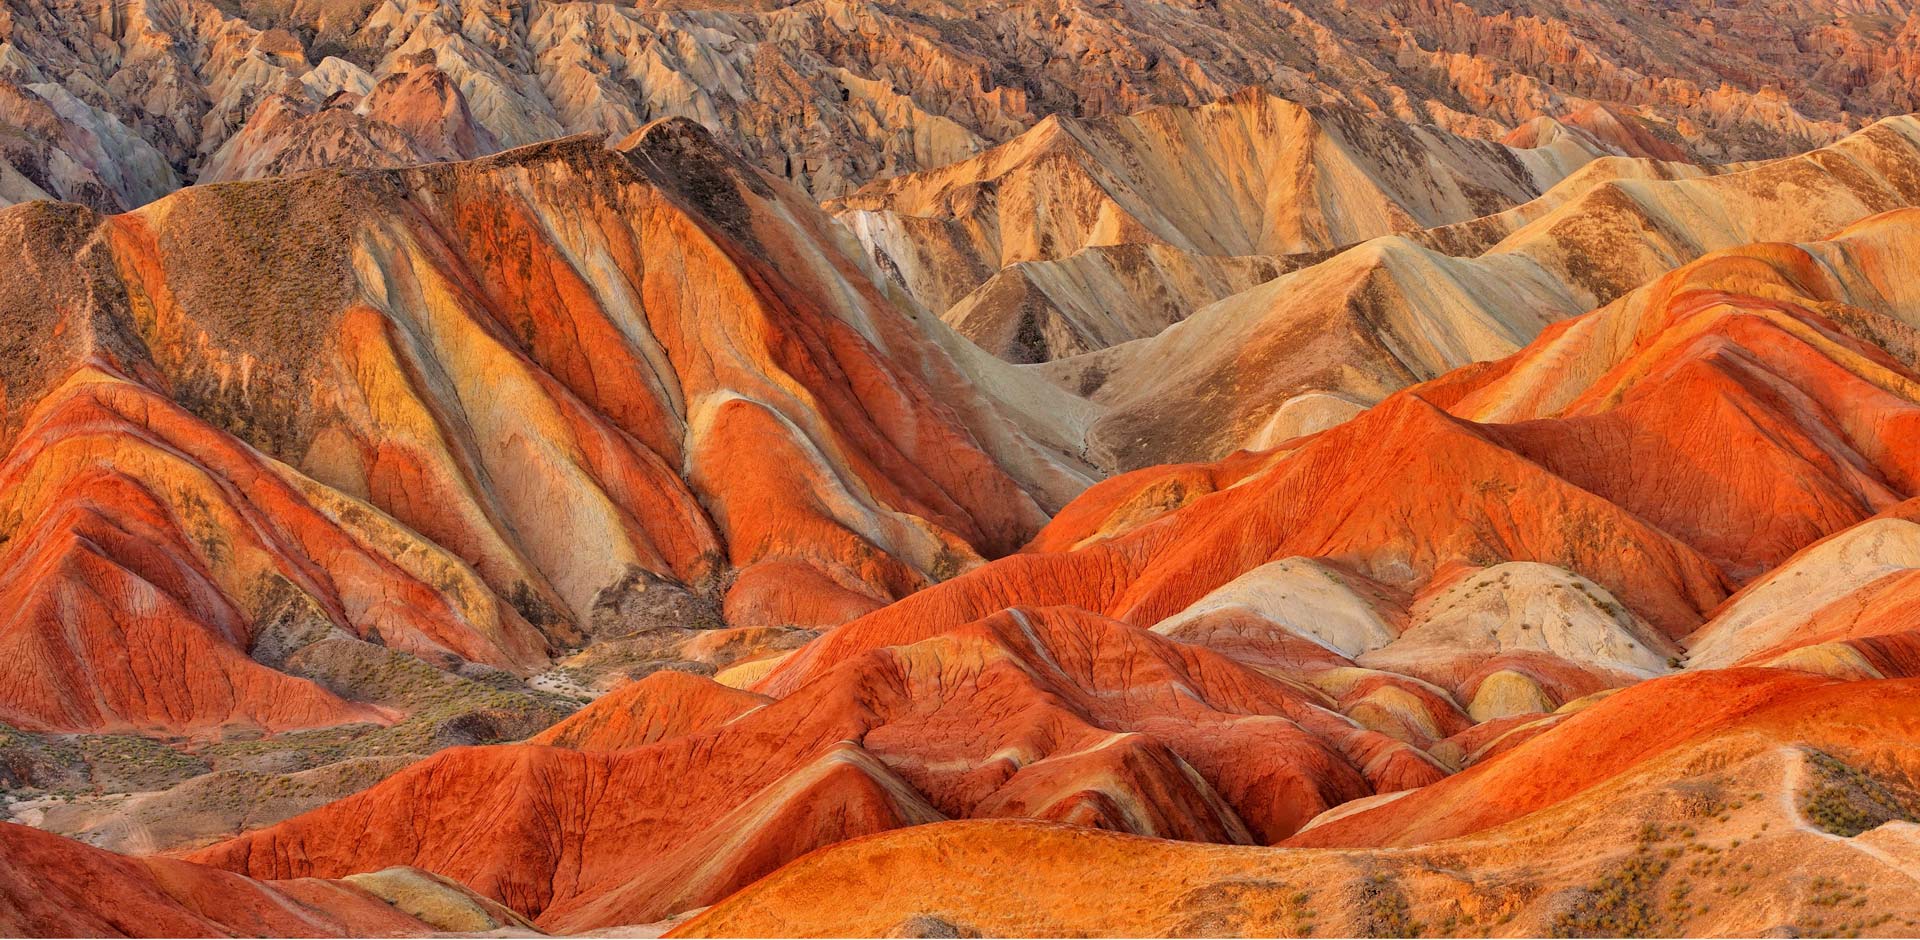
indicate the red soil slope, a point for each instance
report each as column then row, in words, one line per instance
column 1054, row 713
column 398, row 405
column 1728, row 788
column 1031, row 686
column 55, row 887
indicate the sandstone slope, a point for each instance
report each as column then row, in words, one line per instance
column 1018, row 247
column 305, row 478
column 366, row 407
column 1725, row 799
column 1051, row 713
column 1307, row 349
column 52, row 887
column 831, row 94
column 1789, row 815
column 1412, row 626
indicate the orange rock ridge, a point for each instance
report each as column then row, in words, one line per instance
column 1005, row 690
column 454, row 442
column 1541, row 564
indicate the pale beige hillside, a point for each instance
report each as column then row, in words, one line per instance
column 1247, row 175
column 832, row 94
column 1394, row 311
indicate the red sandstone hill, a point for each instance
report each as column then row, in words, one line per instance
column 1786, row 788
column 304, row 479
column 1455, row 580
column 1048, row 712
column 1779, row 376
column 397, row 405
column 1672, row 416
column 54, row 887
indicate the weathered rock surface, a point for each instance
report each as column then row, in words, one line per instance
column 1185, row 203
column 1517, row 532
column 54, row 887
column 1406, row 308
column 360, row 404
column 1052, row 713
column 1363, row 612
column 1658, row 827
column 831, row 94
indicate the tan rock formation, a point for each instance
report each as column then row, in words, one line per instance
column 831, row 94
